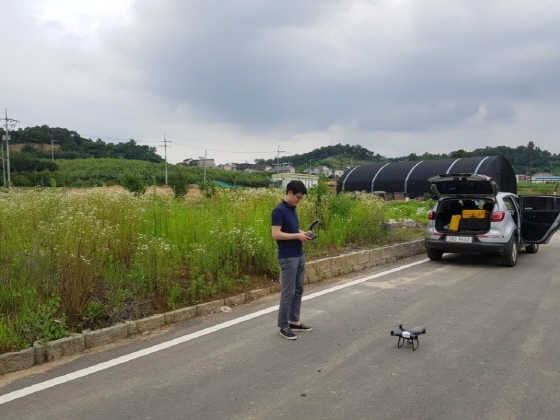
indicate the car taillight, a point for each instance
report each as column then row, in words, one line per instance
column 498, row 216
column 431, row 215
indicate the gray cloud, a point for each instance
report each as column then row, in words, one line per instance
column 324, row 71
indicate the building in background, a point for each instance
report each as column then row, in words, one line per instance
column 544, row 177
column 281, row 179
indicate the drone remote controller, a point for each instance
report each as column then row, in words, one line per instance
column 311, row 235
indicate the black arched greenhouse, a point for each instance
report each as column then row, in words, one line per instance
column 411, row 178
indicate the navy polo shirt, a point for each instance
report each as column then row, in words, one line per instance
column 286, row 216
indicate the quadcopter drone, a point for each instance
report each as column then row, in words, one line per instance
column 408, row 336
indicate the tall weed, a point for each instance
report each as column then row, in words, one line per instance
column 111, row 255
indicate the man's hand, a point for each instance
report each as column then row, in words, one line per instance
column 308, row 236
column 278, row 235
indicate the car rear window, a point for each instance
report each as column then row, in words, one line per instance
column 460, row 187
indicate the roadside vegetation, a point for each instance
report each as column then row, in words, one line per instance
column 83, row 173
column 76, row 259
column 550, row 188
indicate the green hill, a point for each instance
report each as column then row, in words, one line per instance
column 46, row 142
column 523, row 159
column 44, row 155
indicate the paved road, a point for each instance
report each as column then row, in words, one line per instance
column 492, row 351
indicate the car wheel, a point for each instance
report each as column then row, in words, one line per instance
column 532, row 249
column 434, row 254
column 509, row 259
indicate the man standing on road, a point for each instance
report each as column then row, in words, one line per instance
column 289, row 237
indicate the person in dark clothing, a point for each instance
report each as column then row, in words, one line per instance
column 290, row 238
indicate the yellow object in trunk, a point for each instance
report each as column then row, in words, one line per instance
column 475, row 214
column 454, row 224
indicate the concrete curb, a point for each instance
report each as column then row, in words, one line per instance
column 316, row 271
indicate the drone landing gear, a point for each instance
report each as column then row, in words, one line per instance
column 409, row 341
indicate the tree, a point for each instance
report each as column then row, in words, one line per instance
column 72, row 146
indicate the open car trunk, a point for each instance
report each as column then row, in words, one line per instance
column 467, row 202
column 464, row 216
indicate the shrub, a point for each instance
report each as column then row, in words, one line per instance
column 179, row 181
column 133, row 182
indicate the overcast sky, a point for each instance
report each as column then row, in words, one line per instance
column 244, row 79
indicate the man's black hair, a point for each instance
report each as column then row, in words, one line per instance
column 296, row 187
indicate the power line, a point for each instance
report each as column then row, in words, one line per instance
column 180, row 144
column 91, row 136
column 156, row 141
column 220, row 150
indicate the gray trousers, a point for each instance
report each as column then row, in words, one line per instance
column 293, row 275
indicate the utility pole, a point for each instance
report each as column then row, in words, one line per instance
column 52, row 148
column 6, row 169
column 205, row 166
column 278, row 165
column 278, row 159
column 531, row 146
column 308, row 174
column 3, row 164
column 165, row 146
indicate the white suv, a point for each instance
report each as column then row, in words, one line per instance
column 471, row 216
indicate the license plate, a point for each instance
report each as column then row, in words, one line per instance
column 459, row 239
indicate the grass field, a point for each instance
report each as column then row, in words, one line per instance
column 538, row 189
column 76, row 259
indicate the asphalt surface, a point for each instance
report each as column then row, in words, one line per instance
column 491, row 351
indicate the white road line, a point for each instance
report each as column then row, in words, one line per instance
column 140, row 353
